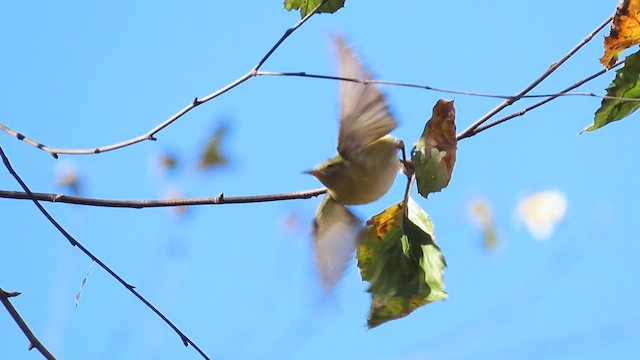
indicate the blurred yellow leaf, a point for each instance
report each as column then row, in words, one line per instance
column 542, row 211
column 481, row 213
column 67, row 177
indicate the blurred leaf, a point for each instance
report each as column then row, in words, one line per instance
column 627, row 85
column 434, row 155
column 625, row 31
column 291, row 223
column 212, row 155
column 335, row 231
column 481, row 213
column 542, row 211
column 305, row 6
column 168, row 162
column 490, row 237
column 398, row 256
column 176, row 194
column 68, row 178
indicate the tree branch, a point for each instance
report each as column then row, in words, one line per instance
column 151, row 134
column 186, row 341
column 536, row 82
column 34, row 342
column 508, row 99
column 139, row 204
column 306, row 194
column 380, row 82
column 440, row 90
column 539, row 103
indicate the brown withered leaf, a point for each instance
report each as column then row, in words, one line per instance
column 625, row 31
column 434, row 155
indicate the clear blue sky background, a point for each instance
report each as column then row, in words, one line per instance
column 234, row 278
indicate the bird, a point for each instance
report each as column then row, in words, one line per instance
column 363, row 170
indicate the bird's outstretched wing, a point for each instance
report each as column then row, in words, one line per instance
column 365, row 116
column 336, row 231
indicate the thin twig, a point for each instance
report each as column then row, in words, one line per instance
column 536, row 82
column 139, row 204
column 185, row 340
column 539, row 103
column 380, row 82
column 407, row 193
column 34, row 342
column 440, row 90
column 151, row 134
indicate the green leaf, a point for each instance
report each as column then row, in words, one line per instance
column 434, row 155
column 212, row 155
column 305, row 6
column 627, row 85
column 398, row 256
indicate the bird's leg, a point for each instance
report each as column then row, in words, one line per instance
column 407, row 165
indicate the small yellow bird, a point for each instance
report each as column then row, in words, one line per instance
column 363, row 170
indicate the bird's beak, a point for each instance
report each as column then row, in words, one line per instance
column 314, row 172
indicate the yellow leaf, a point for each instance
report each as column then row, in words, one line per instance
column 387, row 220
column 625, row 31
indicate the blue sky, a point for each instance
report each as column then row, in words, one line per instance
column 235, row 278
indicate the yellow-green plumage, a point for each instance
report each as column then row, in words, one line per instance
column 362, row 177
column 363, row 170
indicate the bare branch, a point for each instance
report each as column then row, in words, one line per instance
column 539, row 103
column 436, row 89
column 139, row 204
column 508, row 99
column 381, row 82
column 34, row 342
column 536, row 82
column 186, row 341
column 151, row 134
